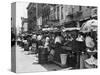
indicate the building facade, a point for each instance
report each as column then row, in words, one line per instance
column 24, row 27
column 48, row 15
column 32, row 17
column 77, row 13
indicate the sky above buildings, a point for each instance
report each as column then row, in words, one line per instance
column 21, row 11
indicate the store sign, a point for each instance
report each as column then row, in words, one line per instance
column 25, row 26
column 39, row 21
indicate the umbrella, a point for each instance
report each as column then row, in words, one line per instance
column 89, row 25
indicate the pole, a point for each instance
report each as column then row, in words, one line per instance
column 37, row 12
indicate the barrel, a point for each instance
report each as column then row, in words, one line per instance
column 43, row 56
column 26, row 47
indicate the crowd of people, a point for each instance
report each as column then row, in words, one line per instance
column 70, row 47
column 73, row 43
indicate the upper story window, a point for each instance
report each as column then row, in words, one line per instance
column 62, row 12
column 58, row 12
column 80, row 8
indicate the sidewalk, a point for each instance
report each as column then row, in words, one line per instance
column 25, row 63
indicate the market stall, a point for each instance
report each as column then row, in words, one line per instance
column 44, row 48
column 65, row 50
column 90, row 29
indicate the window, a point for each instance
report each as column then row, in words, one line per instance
column 58, row 13
column 80, row 8
column 54, row 12
column 88, row 6
column 62, row 12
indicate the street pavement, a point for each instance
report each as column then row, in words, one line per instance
column 28, row 63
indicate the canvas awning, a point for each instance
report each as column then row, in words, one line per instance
column 70, row 29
